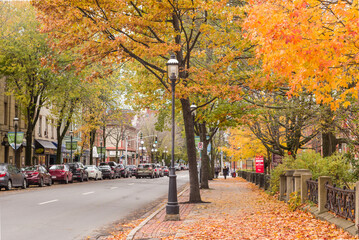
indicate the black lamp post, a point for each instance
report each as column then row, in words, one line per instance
column 71, row 135
column 16, row 122
column 172, row 208
column 142, row 148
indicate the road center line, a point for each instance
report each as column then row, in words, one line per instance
column 87, row 193
column 113, row 188
column 130, row 184
column 42, row 203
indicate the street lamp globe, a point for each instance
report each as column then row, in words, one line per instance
column 172, row 66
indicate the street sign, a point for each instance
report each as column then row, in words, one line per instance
column 259, row 164
column 200, row 145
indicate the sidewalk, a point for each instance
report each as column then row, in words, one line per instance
column 236, row 210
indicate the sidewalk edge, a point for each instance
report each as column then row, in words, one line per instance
column 131, row 235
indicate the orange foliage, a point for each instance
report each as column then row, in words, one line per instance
column 308, row 44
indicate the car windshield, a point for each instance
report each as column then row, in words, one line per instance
column 32, row 168
column 89, row 167
column 144, row 166
column 55, row 167
column 105, row 167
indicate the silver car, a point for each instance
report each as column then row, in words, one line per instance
column 11, row 176
column 93, row 172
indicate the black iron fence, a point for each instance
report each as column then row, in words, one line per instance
column 260, row 179
column 341, row 201
column 312, row 186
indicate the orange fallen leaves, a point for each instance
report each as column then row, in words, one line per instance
column 239, row 210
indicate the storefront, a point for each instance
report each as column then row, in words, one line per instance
column 45, row 152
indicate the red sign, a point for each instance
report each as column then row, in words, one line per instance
column 259, row 164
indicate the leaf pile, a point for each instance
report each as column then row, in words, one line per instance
column 239, row 210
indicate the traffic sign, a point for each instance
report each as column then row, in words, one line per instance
column 200, row 145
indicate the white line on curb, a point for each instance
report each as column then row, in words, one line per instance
column 87, row 193
column 51, row 201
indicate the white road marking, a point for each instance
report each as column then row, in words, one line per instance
column 113, row 188
column 130, row 184
column 51, row 201
column 87, row 193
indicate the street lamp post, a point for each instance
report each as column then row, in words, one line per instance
column 71, row 135
column 165, row 152
column 142, row 142
column 16, row 122
column 172, row 208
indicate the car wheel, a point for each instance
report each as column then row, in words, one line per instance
column 81, row 178
column 9, row 185
column 41, row 183
column 87, row 178
column 24, row 184
column 67, row 180
column 96, row 177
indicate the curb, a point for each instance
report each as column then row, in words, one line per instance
column 132, row 234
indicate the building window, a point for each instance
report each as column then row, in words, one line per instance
column 52, row 129
column 5, row 113
column 46, row 127
column 40, row 123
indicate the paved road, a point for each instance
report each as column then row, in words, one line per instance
column 73, row 211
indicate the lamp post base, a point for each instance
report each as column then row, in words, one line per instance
column 172, row 217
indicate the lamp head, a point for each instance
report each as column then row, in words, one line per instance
column 16, row 121
column 172, row 66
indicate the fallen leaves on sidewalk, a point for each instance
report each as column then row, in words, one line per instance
column 239, row 210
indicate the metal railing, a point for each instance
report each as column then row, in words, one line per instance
column 312, row 186
column 260, row 179
column 341, row 201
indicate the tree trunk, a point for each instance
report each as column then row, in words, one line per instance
column 59, row 147
column 204, row 160
column 195, row 195
column 92, row 141
column 329, row 144
column 28, row 148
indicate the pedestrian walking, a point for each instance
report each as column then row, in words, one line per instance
column 216, row 171
column 225, row 172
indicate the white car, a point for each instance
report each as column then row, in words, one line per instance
column 93, row 172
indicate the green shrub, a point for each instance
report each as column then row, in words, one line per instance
column 336, row 166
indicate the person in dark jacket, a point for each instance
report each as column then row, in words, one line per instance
column 225, row 172
column 216, row 171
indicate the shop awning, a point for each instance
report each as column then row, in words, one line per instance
column 46, row 144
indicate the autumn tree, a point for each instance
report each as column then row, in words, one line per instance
column 25, row 60
column 146, row 32
column 308, row 45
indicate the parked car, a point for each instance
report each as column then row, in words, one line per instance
column 93, row 172
column 124, row 172
column 132, row 169
column 78, row 171
column 166, row 171
column 145, row 170
column 177, row 167
column 114, row 167
column 61, row 173
column 11, row 176
column 158, row 170
column 37, row 175
column 107, row 172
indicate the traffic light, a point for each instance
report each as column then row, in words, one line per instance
column 156, row 139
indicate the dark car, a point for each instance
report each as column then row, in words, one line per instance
column 107, row 171
column 123, row 171
column 114, row 167
column 78, row 171
column 37, row 175
column 11, row 176
column 61, row 173
column 132, row 169
column 166, row 171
